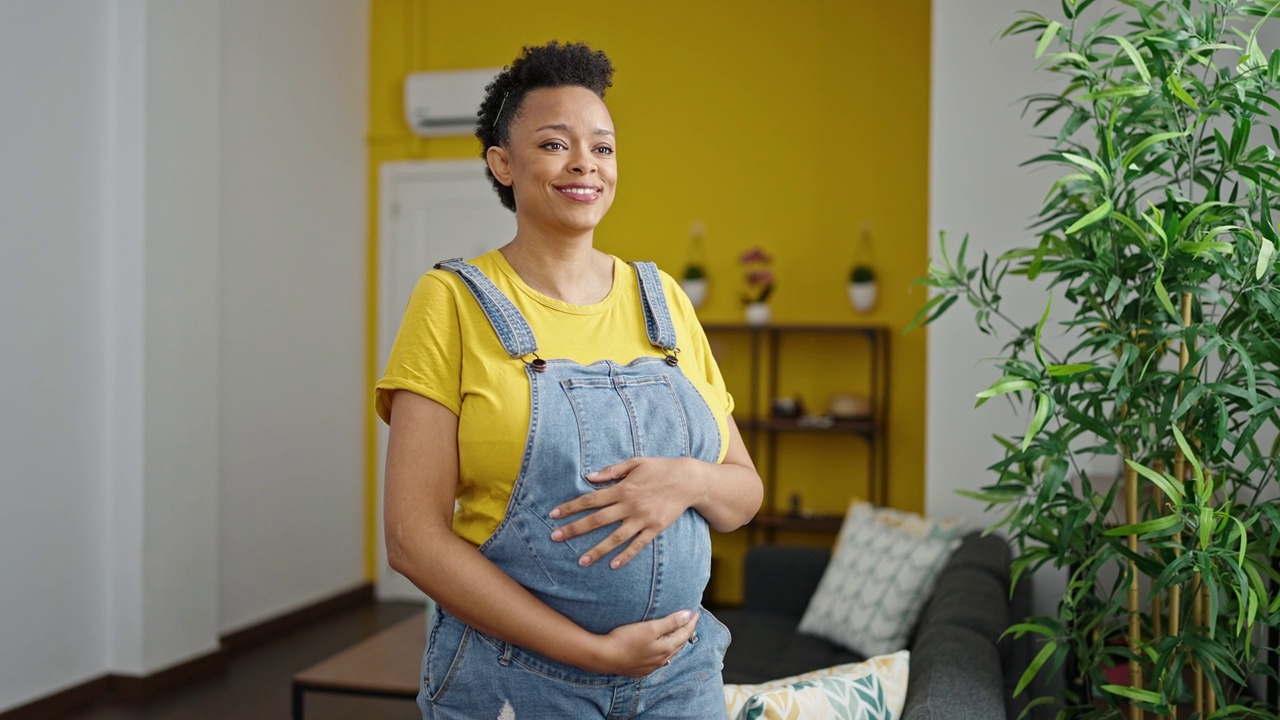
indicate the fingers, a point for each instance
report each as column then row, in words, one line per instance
column 679, row 627
column 617, row 471
column 636, row 532
column 614, row 540
column 639, row 543
column 582, row 503
column 607, row 516
column 640, row 648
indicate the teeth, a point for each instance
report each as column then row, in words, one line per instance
column 579, row 191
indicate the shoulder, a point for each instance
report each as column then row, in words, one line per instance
column 435, row 290
column 678, row 302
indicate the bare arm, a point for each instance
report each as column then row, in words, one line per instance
column 656, row 491
column 421, row 480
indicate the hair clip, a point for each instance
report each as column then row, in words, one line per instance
column 498, row 117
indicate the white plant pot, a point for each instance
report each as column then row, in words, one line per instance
column 862, row 296
column 696, row 290
column 758, row 313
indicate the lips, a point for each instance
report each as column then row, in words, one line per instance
column 580, row 193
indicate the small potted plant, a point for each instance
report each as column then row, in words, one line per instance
column 862, row 279
column 694, row 279
column 862, row 288
column 759, row 278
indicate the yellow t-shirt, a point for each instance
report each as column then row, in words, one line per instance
column 447, row 351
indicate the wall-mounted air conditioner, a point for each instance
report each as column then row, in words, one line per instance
column 444, row 103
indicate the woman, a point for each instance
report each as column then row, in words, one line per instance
column 560, row 441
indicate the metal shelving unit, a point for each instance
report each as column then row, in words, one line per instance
column 762, row 432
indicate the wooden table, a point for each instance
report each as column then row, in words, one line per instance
column 385, row 665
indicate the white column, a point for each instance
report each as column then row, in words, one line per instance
column 162, row 309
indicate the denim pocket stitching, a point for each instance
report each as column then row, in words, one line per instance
column 438, row 695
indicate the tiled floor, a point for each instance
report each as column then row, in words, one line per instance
column 256, row 683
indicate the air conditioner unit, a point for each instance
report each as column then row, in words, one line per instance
column 444, row 103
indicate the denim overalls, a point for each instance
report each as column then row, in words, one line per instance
column 583, row 418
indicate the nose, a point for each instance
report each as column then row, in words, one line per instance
column 583, row 163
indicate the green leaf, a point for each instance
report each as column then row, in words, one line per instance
column 1040, row 327
column 1175, row 86
column 1146, row 696
column 1017, row 630
column 1128, row 222
column 1163, row 296
column 1166, row 522
column 1041, row 657
column 990, row 496
column 1047, row 37
column 1186, row 449
column 1088, row 164
column 1166, row 483
column 1065, row 370
column 1134, row 57
column 1043, row 404
column 1200, row 209
column 1147, row 142
column 1006, row 384
column 924, row 313
column 1093, row 216
column 1115, row 92
column 1266, row 251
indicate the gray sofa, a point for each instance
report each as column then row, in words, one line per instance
column 960, row 668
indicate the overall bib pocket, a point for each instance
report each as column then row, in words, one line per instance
column 658, row 426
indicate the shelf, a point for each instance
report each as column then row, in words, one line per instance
column 812, row 523
column 862, row 363
column 861, row 426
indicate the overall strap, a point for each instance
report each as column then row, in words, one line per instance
column 512, row 329
column 657, row 317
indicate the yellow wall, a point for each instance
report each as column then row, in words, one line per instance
column 787, row 125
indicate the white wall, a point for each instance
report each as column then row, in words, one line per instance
column 52, row 399
column 977, row 140
column 182, row 187
column 294, row 109
column 180, row 519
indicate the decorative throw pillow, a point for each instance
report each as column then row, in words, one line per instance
column 872, row 690
column 879, row 578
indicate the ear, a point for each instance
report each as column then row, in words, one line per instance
column 499, row 164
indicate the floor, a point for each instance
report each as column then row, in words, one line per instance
column 256, row 683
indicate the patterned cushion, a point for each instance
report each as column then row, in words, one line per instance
column 872, row 690
column 879, row 578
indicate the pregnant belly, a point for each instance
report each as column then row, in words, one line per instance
column 668, row 575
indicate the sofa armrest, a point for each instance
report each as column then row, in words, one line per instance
column 780, row 579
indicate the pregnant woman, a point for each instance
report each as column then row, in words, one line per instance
column 561, row 439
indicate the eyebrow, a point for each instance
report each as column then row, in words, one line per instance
column 565, row 128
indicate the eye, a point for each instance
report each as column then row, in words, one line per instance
column 604, row 150
column 553, row 145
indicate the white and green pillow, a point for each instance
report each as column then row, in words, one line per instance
column 879, row 578
column 872, row 690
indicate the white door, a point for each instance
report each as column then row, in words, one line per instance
column 429, row 211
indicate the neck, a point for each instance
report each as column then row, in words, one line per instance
column 568, row 270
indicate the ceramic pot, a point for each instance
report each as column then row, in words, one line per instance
column 696, row 290
column 862, row 296
column 758, row 313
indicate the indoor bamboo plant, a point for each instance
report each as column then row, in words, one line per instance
column 1159, row 236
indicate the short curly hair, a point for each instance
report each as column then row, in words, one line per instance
column 545, row 66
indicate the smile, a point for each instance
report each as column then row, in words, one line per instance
column 580, row 193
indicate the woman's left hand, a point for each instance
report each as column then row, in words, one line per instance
column 654, row 492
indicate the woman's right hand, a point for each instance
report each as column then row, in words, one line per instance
column 638, row 649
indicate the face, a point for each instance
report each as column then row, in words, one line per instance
column 559, row 160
